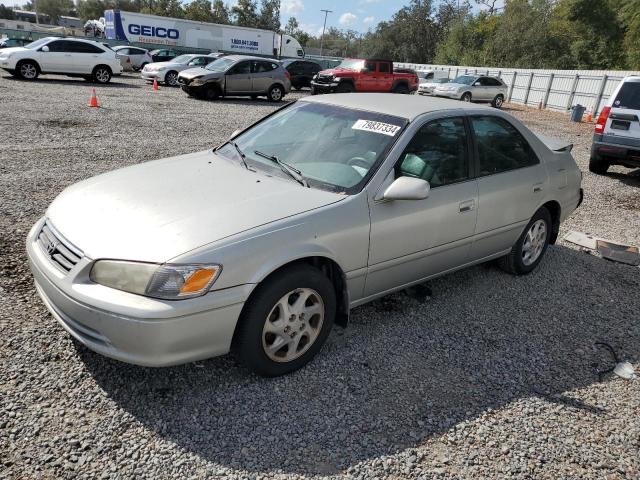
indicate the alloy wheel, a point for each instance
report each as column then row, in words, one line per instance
column 276, row 94
column 534, row 242
column 102, row 75
column 171, row 79
column 28, row 71
column 293, row 325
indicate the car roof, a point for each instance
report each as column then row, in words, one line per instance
column 249, row 57
column 404, row 106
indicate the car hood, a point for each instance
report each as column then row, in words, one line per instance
column 199, row 72
column 337, row 72
column 155, row 211
column 7, row 51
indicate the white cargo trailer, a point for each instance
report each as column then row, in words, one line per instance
column 175, row 32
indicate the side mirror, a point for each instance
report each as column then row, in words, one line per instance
column 44, row 49
column 407, row 188
column 477, row 84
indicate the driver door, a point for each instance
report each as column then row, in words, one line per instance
column 238, row 78
column 415, row 239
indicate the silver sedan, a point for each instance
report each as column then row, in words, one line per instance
column 262, row 244
column 167, row 72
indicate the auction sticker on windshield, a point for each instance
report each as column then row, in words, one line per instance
column 377, row 127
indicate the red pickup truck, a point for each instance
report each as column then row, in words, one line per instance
column 359, row 75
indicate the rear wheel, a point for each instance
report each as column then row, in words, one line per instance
column 171, row 79
column 28, row 70
column 286, row 321
column 211, row 93
column 466, row 97
column 498, row 101
column 528, row 251
column 101, row 74
column 598, row 166
column 276, row 93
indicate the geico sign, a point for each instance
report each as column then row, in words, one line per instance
column 149, row 31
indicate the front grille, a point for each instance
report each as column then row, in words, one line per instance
column 325, row 78
column 61, row 253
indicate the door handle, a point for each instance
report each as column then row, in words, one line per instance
column 537, row 188
column 467, row 206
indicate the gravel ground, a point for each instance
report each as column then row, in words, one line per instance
column 492, row 376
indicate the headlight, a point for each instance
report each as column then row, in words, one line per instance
column 336, row 79
column 159, row 69
column 196, row 82
column 169, row 282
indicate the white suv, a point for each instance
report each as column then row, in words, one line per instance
column 68, row 56
column 616, row 140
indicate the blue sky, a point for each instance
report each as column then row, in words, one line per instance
column 358, row 15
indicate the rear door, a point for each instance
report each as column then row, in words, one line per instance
column 481, row 89
column 238, row 78
column 624, row 117
column 511, row 184
column 385, row 77
column 85, row 56
column 262, row 75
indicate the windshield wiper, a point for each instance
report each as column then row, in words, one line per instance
column 241, row 153
column 285, row 167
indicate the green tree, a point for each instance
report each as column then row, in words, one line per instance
column 245, row 13
column 220, row 13
column 630, row 19
column 199, row 10
column 6, row 12
column 270, row 15
column 55, row 8
column 164, row 8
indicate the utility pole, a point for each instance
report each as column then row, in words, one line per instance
column 326, row 12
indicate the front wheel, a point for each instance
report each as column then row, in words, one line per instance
column 528, row 251
column 28, row 70
column 101, row 74
column 401, row 89
column 345, row 87
column 466, row 97
column 497, row 102
column 286, row 321
column 276, row 93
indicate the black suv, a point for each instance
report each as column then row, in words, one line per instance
column 301, row 71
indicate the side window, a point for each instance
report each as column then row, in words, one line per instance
column 493, row 82
column 383, row 67
column 429, row 76
column 82, row 47
column 59, row 46
column 242, row 68
column 501, row 147
column 198, row 61
column 370, row 66
column 437, row 153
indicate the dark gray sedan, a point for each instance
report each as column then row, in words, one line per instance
column 237, row 75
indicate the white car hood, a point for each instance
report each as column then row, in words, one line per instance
column 158, row 210
column 6, row 51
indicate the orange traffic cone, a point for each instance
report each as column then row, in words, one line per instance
column 155, row 84
column 589, row 117
column 93, row 101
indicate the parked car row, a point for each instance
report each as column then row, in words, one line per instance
column 468, row 88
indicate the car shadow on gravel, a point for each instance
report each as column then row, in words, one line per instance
column 73, row 81
column 401, row 373
column 630, row 177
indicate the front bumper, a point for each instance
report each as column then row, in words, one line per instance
column 151, row 76
column 439, row 93
column 132, row 328
column 324, row 87
column 617, row 150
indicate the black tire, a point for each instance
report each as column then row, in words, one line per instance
column 27, row 70
column 466, row 97
column 514, row 262
column 248, row 339
column 210, row 93
column 101, row 74
column 598, row 166
column 276, row 93
column 401, row 89
column 498, row 101
column 254, row 97
column 171, row 78
column 345, row 87
column 314, row 91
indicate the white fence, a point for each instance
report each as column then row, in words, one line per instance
column 555, row 89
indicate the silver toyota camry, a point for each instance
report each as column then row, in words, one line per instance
column 262, row 244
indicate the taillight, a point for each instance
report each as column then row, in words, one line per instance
column 602, row 119
column 287, row 74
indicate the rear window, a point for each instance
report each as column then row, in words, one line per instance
column 628, row 96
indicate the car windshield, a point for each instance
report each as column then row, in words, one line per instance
column 37, row 44
column 352, row 64
column 464, row 79
column 183, row 59
column 220, row 65
column 333, row 148
column 440, row 80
